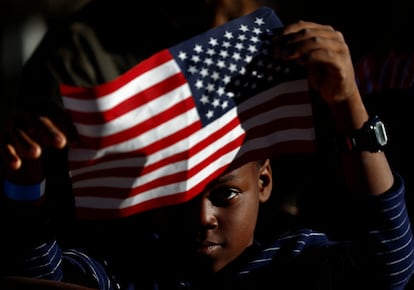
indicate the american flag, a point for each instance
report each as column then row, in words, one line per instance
column 158, row 134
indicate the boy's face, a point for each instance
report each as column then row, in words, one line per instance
column 225, row 214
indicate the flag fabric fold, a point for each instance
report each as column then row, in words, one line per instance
column 159, row 133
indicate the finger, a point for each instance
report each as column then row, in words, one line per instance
column 10, row 158
column 302, row 47
column 16, row 147
column 23, row 145
column 301, row 27
column 40, row 129
column 19, row 170
column 50, row 134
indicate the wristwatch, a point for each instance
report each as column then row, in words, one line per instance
column 371, row 137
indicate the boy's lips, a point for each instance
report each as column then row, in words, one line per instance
column 208, row 247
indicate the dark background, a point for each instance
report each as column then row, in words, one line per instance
column 22, row 24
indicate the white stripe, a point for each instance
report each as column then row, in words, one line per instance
column 114, row 203
column 281, row 89
column 160, row 132
column 138, row 84
column 178, row 123
column 279, row 113
column 188, row 164
column 146, row 139
column 149, row 110
column 277, row 138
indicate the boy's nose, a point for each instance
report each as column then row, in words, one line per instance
column 207, row 213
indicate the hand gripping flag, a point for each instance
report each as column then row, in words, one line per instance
column 158, row 134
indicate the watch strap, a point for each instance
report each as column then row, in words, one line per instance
column 371, row 137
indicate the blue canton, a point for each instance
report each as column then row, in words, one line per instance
column 218, row 64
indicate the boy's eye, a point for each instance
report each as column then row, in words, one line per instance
column 223, row 196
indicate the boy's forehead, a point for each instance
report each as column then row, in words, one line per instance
column 237, row 172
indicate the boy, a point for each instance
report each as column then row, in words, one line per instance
column 213, row 239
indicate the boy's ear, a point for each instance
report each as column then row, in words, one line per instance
column 265, row 181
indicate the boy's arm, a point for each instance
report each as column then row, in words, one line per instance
column 326, row 57
column 30, row 248
column 30, row 245
column 390, row 238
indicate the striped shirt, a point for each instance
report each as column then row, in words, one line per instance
column 304, row 258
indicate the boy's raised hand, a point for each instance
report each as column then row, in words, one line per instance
column 23, row 141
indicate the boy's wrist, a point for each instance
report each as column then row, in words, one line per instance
column 18, row 192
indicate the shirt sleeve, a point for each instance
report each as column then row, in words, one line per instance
column 390, row 233
column 30, row 248
column 48, row 261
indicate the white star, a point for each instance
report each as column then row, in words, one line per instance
column 257, row 31
column 204, row 72
column 224, row 54
column 221, row 64
column 182, row 55
column 225, row 105
column 248, row 58
column 198, row 48
column 259, row 21
column 204, row 99
column 226, row 79
column 226, row 44
column 213, row 41
column 254, row 39
column 192, row 69
column 239, row 46
column 210, row 87
column 220, row 91
column 209, row 114
column 199, row 84
column 208, row 61
column 215, row 103
column 195, row 58
column 236, row 56
column 230, row 95
column 243, row 28
column 233, row 67
column 242, row 37
column 252, row 48
column 215, row 76
column 211, row 51
column 228, row 35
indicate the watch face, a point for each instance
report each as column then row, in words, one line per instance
column 380, row 133
column 371, row 137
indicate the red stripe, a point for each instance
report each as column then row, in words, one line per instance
column 93, row 213
column 180, row 197
column 104, row 89
column 137, row 130
column 295, row 98
column 157, row 146
column 132, row 103
column 167, row 179
column 280, row 125
column 153, row 147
